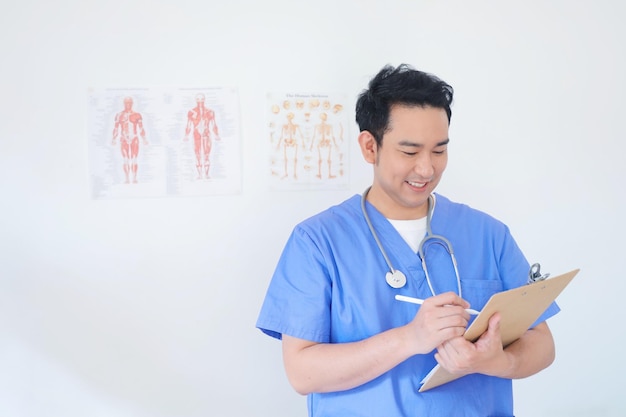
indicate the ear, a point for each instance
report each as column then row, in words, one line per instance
column 368, row 145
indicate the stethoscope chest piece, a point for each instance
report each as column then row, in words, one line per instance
column 395, row 279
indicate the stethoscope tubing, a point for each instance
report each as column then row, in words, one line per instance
column 429, row 235
column 373, row 231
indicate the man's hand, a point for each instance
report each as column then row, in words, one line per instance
column 486, row 356
column 440, row 318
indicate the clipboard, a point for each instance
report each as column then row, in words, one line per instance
column 519, row 309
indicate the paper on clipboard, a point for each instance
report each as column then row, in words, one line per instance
column 519, row 309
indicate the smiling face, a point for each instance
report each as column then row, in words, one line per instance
column 410, row 162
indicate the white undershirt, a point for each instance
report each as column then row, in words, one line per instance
column 412, row 231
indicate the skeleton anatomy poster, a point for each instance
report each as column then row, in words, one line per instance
column 156, row 142
column 307, row 141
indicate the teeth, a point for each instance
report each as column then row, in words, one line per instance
column 416, row 184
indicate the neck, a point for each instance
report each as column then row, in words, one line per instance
column 394, row 210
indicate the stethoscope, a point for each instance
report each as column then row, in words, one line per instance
column 395, row 278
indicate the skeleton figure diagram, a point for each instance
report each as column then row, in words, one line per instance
column 306, row 135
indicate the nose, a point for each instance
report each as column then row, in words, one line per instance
column 424, row 166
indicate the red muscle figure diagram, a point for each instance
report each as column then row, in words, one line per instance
column 201, row 120
column 128, row 128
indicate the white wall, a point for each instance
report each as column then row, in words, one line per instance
column 146, row 307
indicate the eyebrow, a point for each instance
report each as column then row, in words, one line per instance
column 419, row 145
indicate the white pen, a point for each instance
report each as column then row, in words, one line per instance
column 420, row 301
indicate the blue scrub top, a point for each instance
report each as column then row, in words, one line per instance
column 329, row 287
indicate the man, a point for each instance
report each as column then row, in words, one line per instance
column 128, row 126
column 347, row 343
column 201, row 120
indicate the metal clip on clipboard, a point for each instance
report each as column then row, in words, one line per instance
column 535, row 275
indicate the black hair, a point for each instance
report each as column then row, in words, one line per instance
column 403, row 85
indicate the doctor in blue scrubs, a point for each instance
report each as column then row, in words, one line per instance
column 348, row 344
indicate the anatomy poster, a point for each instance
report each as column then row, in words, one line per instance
column 307, row 141
column 158, row 142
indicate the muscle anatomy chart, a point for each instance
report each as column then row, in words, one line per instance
column 128, row 128
column 157, row 142
column 306, row 141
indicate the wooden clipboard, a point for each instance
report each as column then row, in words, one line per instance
column 519, row 309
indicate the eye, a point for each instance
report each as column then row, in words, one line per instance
column 440, row 151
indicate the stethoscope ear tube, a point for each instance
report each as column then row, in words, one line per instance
column 395, row 278
column 373, row 231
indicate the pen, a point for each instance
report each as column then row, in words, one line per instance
column 420, row 301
